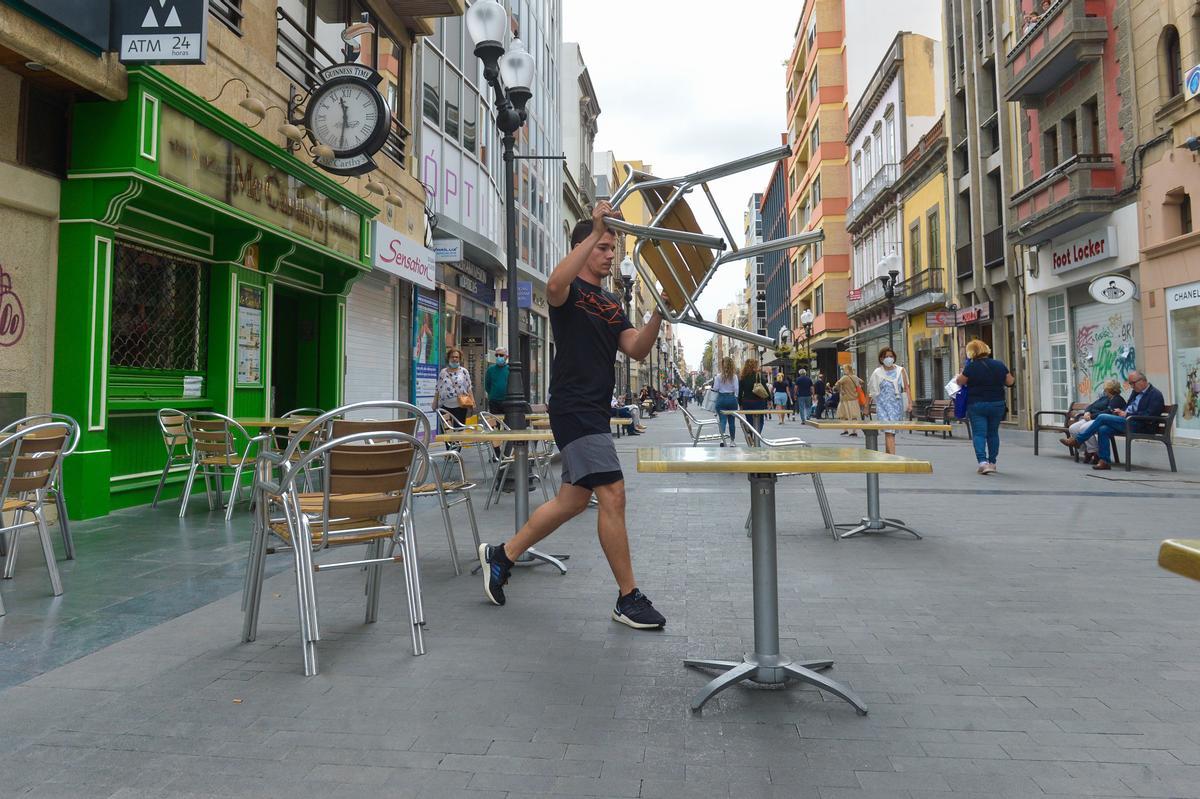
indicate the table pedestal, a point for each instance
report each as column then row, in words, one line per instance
column 531, row 557
column 765, row 665
column 873, row 522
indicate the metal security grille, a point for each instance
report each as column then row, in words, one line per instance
column 159, row 311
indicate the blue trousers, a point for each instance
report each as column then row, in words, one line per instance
column 985, row 429
column 1104, row 427
column 726, row 402
column 805, row 407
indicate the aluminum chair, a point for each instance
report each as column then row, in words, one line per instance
column 55, row 491
column 539, row 463
column 174, row 436
column 366, row 500
column 297, row 419
column 456, row 490
column 29, row 460
column 214, row 452
column 756, row 439
column 450, row 423
column 672, row 250
column 696, row 428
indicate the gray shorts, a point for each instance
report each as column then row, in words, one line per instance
column 592, row 454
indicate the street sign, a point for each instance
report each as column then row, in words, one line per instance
column 854, row 295
column 939, row 319
column 1191, row 83
column 160, row 31
column 1112, row 289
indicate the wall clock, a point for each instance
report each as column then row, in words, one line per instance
column 347, row 112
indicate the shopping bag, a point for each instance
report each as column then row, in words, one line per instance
column 710, row 401
column 960, row 403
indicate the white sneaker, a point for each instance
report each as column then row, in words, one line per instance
column 991, row 468
column 983, row 467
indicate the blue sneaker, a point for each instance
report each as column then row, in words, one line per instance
column 496, row 568
column 635, row 610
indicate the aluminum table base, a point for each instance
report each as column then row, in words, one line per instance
column 766, row 665
column 873, row 522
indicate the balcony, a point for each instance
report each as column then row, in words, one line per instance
column 993, row 247
column 872, row 294
column 963, row 267
column 921, row 290
column 1068, row 35
column 1075, row 192
column 428, row 8
column 875, row 188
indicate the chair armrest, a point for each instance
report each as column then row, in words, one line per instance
column 1130, row 420
column 1065, row 415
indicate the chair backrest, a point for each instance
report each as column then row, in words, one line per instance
column 491, row 422
column 302, row 413
column 45, row 418
column 30, row 457
column 172, row 427
column 753, row 437
column 448, row 421
column 210, row 434
column 690, row 421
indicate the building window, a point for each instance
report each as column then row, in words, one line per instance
column 819, row 300
column 159, row 311
column 858, row 181
column 816, row 191
column 813, row 87
column 431, row 73
column 1178, row 213
column 229, row 12
column 1070, row 136
column 914, row 248
column 1185, row 214
column 1172, row 62
column 1056, row 314
column 1091, row 127
column 1050, row 149
column 890, row 138
column 44, row 124
column 933, row 227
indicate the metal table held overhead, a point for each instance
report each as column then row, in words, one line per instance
column 766, row 664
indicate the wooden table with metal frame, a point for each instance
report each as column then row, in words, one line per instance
column 764, row 412
column 1181, row 555
column 873, row 522
column 532, row 557
column 765, row 664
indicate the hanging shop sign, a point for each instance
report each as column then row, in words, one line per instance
column 348, row 113
column 159, row 31
column 1097, row 246
column 448, row 251
column 974, row 314
column 939, row 318
column 403, row 257
column 1112, row 289
column 472, row 280
column 524, row 294
column 195, row 157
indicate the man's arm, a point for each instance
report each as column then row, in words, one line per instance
column 558, row 287
column 637, row 343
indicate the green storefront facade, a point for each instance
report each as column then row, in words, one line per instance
column 201, row 267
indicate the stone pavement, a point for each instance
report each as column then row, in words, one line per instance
column 1028, row 646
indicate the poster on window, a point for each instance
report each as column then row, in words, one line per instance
column 425, row 340
column 249, row 335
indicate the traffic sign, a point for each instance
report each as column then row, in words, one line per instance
column 160, row 31
column 1191, row 82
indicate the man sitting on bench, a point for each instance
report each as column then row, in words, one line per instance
column 632, row 412
column 1146, row 400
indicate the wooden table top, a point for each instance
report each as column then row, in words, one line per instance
column 1181, row 556
column 761, row 460
column 867, row 424
column 537, row 416
column 262, row 423
column 486, row 436
column 544, row 424
column 762, row 412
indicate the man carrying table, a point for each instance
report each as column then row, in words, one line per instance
column 589, row 327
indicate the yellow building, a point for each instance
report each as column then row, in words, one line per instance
column 927, row 291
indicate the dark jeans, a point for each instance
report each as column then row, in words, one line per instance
column 726, row 402
column 819, row 413
column 757, row 419
column 1104, row 427
column 985, row 420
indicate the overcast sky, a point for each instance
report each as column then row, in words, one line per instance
column 688, row 84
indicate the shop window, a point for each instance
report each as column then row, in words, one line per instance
column 159, row 311
column 44, row 124
column 229, row 12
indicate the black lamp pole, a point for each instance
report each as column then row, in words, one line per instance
column 627, row 282
column 808, row 343
column 889, row 291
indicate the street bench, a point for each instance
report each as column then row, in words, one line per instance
column 1058, row 422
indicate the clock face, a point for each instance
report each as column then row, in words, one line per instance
column 347, row 116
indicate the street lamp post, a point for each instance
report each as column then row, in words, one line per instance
column 510, row 73
column 953, row 309
column 889, row 290
column 806, row 319
column 627, row 270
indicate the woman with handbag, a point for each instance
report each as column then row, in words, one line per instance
column 851, row 398
column 889, row 387
column 985, row 380
column 454, row 391
column 752, row 394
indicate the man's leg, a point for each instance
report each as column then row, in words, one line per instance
column 614, row 538
column 570, row 502
column 1113, row 424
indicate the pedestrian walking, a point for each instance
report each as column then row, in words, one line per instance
column 752, row 394
column 782, row 395
column 888, row 386
column 726, row 386
column 495, row 382
column 804, row 394
column 819, row 391
column 848, row 407
column 589, row 328
column 454, row 392
column 985, row 379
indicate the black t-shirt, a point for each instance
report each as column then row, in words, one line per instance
column 586, row 330
column 804, row 386
column 985, row 380
column 819, row 387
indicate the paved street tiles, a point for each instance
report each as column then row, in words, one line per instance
column 1028, row 646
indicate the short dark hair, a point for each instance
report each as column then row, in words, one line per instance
column 582, row 230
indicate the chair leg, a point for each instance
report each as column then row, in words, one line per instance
column 1170, row 455
column 374, row 573
column 1128, row 452
column 63, row 523
column 471, row 517
column 1036, row 430
column 449, row 525
column 48, row 552
column 416, row 612
column 235, row 492
column 826, row 511
column 187, row 489
column 162, row 481
column 14, row 544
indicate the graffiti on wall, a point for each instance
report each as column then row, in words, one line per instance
column 12, row 314
column 1102, row 352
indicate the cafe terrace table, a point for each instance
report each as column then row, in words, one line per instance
column 873, row 522
column 1181, row 555
column 782, row 412
column 532, row 557
column 761, row 465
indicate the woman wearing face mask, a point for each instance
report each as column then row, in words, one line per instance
column 454, row 386
column 888, row 386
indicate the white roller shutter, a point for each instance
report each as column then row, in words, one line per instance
column 1102, row 346
column 371, row 358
